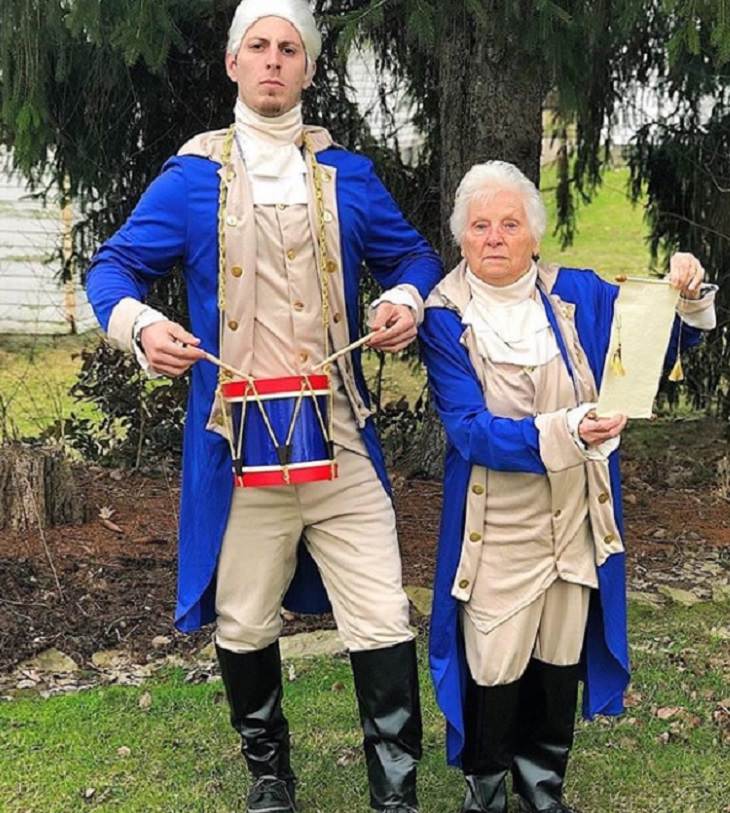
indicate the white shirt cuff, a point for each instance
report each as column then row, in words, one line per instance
column 573, row 417
column 397, row 296
column 699, row 313
column 149, row 316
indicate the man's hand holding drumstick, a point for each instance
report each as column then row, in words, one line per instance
column 169, row 348
column 400, row 327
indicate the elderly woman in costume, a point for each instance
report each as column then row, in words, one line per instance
column 530, row 585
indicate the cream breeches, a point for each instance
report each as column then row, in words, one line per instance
column 348, row 525
column 551, row 629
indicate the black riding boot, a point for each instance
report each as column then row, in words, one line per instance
column 386, row 683
column 548, row 700
column 253, row 687
column 490, row 723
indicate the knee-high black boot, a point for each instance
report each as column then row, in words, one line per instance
column 254, row 690
column 386, row 683
column 548, row 700
column 490, row 722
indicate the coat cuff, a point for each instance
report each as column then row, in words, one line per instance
column 699, row 313
column 558, row 450
column 120, row 330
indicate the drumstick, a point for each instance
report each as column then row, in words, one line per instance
column 354, row 345
column 215, row 360
column 349, row 347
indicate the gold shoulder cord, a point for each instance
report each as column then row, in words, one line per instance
column 322, row 253
column 222, row 209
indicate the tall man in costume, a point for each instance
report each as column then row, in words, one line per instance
column 272, row 224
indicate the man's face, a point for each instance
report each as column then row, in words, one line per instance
column 497, row 243
column 271, row 67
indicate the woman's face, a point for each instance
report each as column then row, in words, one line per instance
column 497, row 244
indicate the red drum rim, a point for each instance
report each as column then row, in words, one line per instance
column 289, row 385
column 254, row 478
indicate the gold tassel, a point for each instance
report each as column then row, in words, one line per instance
column 677, row 373
column 617, row 366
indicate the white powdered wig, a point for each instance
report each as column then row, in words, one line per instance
column 297, row 12
column 484, row 180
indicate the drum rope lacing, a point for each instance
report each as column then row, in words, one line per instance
column 324, row 266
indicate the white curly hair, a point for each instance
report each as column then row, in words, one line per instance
column 482, row 181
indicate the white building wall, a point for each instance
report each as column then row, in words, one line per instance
column 32, row 300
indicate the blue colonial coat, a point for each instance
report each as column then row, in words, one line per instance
column 176, row 221
column 476, row 436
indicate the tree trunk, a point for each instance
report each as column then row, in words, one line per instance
column 490, row 108
column 38, row 489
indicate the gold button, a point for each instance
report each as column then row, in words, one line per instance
column 233, row 324
column 337, row 317
column 602, row 498
column 557, row 514
column 477, row 489
column 464, row 583
column 230, row 175
column 331, row 266
column 298, row 306
column 475, row 537
column 281, row 206
column 327, row 217
column 608, row 538
column 291, row 254
column 303, row 356
column 232, row 220
column 236, row 270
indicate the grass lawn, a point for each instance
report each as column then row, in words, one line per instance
column 36, row 373
column 62, row 755
column 611, row 234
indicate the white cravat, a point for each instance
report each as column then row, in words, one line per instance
column 509, row 322
column 274, row 163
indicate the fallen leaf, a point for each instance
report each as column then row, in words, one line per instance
column 145, row 701
column 124, row 752
column 667, row 712
column 112, row 526
column 633, row 699
column 348, row 757
column 105, row 512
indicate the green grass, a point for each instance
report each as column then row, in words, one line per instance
column 36, row 373
column 184, row 757
column 611, row 235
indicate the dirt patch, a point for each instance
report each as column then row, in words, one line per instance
column 117, row 587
